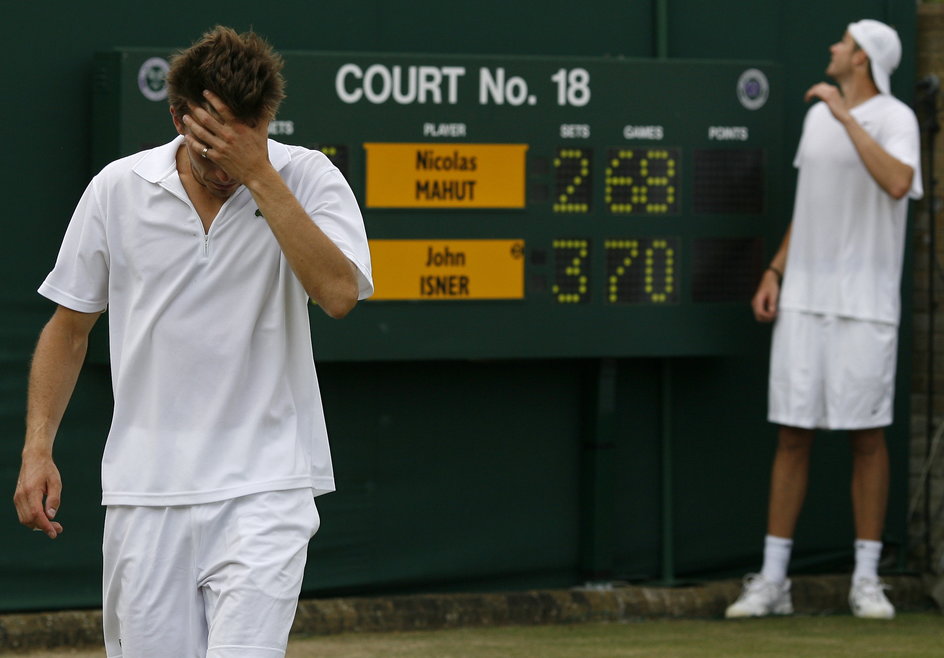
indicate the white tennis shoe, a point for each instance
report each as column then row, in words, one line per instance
column 868, row 601
column 761, row 597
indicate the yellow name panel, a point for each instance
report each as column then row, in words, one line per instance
column 401, row 175
column 447, row 269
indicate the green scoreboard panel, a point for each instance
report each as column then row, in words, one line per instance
column 525, row 206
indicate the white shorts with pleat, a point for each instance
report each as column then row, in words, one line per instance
column 215, row 580
column 829, row 372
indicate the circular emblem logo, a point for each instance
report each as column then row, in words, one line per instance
column 753, row 89
column 152, row 78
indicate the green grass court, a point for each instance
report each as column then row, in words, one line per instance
column 910, row 635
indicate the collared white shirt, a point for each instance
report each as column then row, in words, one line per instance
column 215, row 389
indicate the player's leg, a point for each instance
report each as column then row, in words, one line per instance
column 870, row 481
column 788, row 484
column 862, row 394
column 253, row 552
column 769, row 591
column 788, row 480
column 794, row 403
column 151, row 605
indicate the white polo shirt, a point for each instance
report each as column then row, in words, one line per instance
column 847, row 240
column 215, row 389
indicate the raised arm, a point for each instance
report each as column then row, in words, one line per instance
column 57, row 361
column 242, row 151
column 892, row 175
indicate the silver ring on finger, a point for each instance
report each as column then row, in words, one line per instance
column 204, row 152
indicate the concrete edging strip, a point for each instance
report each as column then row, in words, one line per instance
column 812, row 595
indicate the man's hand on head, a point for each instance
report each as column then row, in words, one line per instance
column 239, row 149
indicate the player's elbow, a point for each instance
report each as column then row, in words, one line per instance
column 337, row 295
column 899, row 191
column 340, row 307
column 340, row 300
column 900, row 185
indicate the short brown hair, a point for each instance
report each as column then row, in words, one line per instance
column 242, row 69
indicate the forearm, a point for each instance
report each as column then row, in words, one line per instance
column 779, row 261
column 326, row 273
column 891, row 174
column 764, row 302
column 241, row 150
column 55, row 368
column 57, row 361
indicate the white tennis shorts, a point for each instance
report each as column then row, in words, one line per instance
column 828, row 372
column 219, row 580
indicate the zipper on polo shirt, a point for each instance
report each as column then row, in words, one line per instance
column 216, row 220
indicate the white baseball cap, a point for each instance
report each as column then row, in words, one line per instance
column 880, row 42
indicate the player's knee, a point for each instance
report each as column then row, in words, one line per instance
column 794, row 442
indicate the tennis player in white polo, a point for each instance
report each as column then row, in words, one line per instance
column 205, row 252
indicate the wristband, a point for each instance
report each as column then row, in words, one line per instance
column 777, row 272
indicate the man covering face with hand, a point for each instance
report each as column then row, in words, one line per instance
column 205, row 252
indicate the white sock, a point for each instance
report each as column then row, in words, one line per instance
column 776, row 558
column 867, row 555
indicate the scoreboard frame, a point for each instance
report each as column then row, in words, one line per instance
column 540, row 206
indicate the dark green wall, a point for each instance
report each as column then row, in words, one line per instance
column 457, row 474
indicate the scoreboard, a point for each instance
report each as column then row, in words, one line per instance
column 524, row 206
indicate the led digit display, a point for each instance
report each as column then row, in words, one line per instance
column 729, row 181
column 726, row 269
column 641, row 270
column 642, row 181
column 573, row 187
column 571, row 271
column 338, row 155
